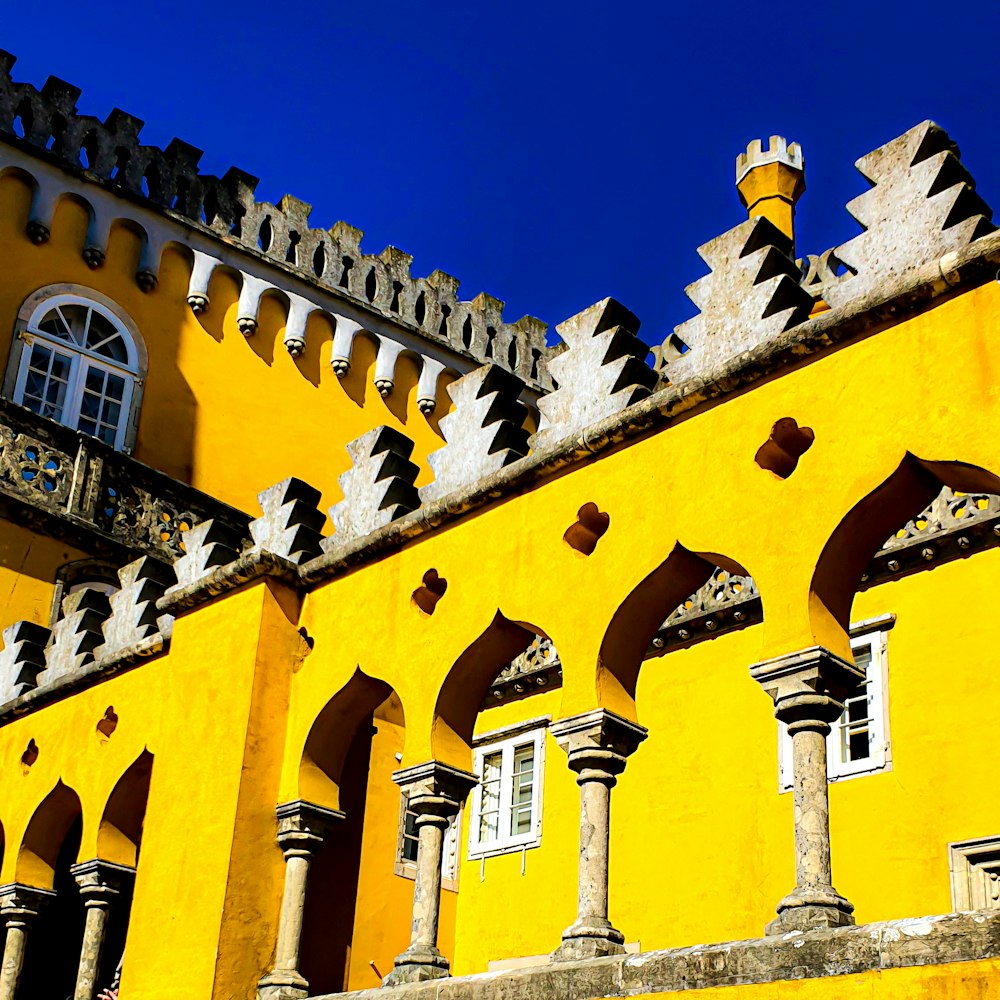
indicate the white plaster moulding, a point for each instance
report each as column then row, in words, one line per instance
column 257, row 278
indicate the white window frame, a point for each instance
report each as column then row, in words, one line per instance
column 449, row 856
column 506, row 742
column 132, row 372
column 871, row 634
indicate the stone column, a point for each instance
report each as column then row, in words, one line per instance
column 435, row 792
column 19, row 906
column 598, row 744
column 100, row 885
column 302, row 828
column 808, row 688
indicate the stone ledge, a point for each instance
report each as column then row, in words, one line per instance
column 842, row 951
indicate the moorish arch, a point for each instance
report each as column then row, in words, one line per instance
column 332, row 733
column 340, row 767
column 641, row 615
column 120, row 831
column 864, row 529
column 460, row 697
column 48, row 851
column 43, row 838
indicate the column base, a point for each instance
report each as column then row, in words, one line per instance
column 282, row 984
column 811, row 908
column 417, row 965
column 590, row 939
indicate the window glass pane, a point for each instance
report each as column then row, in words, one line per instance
column 52, row 324
column 410, row 840
column 856, row 722
column 46, row 382
column 521, row 790
column 489, row 813
column 103, row 338
column 75, row 318
column 114, row 387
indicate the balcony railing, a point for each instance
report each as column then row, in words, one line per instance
column 76, row 488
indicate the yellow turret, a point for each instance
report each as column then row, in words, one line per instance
column 770, row 181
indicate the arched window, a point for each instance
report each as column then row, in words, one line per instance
column 78, row 360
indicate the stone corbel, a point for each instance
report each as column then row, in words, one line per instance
column 385, row 365
column 430, row 374
column 248, row 306
column 343, row 344
column 201, row 275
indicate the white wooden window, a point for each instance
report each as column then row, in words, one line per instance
column 507, row 802
column 78, row 365
column 859, row 740
column 406, row 847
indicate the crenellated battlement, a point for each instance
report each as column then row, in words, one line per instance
column 778, row 150
column 111, row 154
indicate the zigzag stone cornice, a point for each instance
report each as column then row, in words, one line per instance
column 420, row 312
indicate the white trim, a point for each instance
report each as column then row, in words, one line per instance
column 871, row 634
column 81, row 359
column 507, row 732
column 504, row 843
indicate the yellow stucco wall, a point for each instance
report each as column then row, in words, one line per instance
column 28, row 566
column 211, row 713
column 957, row 981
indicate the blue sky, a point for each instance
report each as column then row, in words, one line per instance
column 549, row 153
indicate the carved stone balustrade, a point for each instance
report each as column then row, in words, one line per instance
column 74, row 487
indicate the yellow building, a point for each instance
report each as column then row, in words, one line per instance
column 247, row 751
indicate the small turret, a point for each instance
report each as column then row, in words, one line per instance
column 770, row 181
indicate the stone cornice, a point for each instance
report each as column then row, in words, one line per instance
column 828, row 953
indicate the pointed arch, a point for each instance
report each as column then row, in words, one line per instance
column 640, row 615
column 120, row 831
column 333, row 731
column 864, row 529
column 461, row 695
column 44, row 836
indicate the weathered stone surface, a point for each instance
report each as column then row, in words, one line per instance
column 206, row 546
column 922, row 205
column 808, row 688
column 435, row 792
column 751, row 295
column 598, row 745
column 22, row 658
column 602, row 371
column 134, row 617
column 842, row 951
column 292, row 522
column 378, row 487
column 484, row 432
column 77, row 634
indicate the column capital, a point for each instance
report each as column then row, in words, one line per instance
column 100, row 881
column 808, row 686
column 22, row 903
column 303, row 826
column 435, row 790
column 598, row 743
